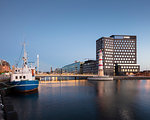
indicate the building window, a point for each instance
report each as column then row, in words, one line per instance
column 20, row 77
column 24, row 77
column 16, row 77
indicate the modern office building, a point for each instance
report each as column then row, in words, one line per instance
column 75, row 68
column 89, row 67
column 119, row 54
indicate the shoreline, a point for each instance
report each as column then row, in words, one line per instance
column 131, row 77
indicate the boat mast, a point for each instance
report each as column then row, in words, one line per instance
column 25, row 56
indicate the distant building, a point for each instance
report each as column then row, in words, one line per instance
column 73, row 68
column 51, row 71
column 143, row 73
column 119, row 54
column 4, row 66
column 58, row 71
column 89, row 67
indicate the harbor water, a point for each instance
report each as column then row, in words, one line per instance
column 85, row 100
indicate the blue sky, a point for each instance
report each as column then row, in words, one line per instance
column 62, row 31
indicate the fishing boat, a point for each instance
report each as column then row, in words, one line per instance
column 23, row 79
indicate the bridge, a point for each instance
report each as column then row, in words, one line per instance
column 68, row 76
column 62, row 76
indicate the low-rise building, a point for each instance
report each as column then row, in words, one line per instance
column 126, row 69
column 90, row 67
column 75, row 68
column 58, row 71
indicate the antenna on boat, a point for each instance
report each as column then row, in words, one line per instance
column 25, row 55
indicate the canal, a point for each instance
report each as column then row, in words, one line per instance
column 84, row 100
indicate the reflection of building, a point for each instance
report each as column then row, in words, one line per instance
column 115, row 99
column 4, row 66
column 89, row 67
column 73, row 68
column 119, row 52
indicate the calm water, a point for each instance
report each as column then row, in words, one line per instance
column 83, row 100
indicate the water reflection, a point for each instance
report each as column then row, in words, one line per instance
column 113, row 102
column 147, row 86
column 64, row 83
column 83, row 100
column 119, row 99
column 26, row 104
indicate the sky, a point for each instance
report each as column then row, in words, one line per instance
column 62, row 31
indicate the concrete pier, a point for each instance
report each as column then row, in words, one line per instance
column 105, row 78
column 100, row 78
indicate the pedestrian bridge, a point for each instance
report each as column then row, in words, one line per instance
column 48, row 77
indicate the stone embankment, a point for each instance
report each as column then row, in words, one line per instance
column 7, row 111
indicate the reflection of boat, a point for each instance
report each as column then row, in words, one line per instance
column 23, row 79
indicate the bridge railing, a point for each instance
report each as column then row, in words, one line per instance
column 66, row 74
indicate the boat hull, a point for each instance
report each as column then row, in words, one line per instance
column 25, row 85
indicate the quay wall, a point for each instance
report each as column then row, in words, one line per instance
column 131, row 77
column 7, row 111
